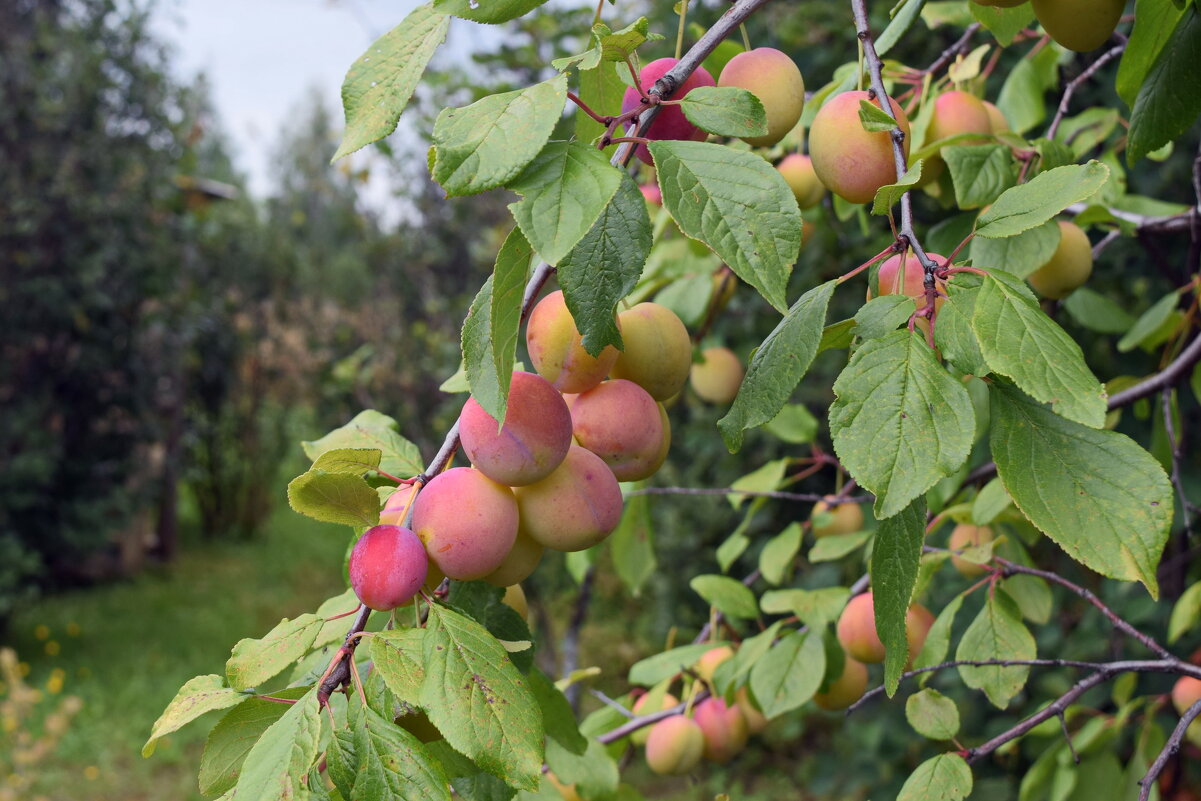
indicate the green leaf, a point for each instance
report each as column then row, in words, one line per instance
column 778, row 366
column 932, row 715
column 600, row 88
column 776, row 558
column 997, row 633
column 370, row 429
column 334, row 498
column 731, row 597
column 738, row 205
column 632, row 545
column 953, row 331
column 254, row 661
column 829, row 549
column 397, row 655
column 382, row 760
column 1003, row 23
column 235, row 734
column 1097, row 312
column 765, row 478
column 604, row 266
column 488, row 143
column 895, row 558
column 1149, row 323
column 283, row 755
column 883, row 315
column 355, row 461
column 1018, row 255
column 889, row 195
column 875, row 119
column 557, row 716
column 380, row 83
column 989, row 503
column 1154, row 23
column 733, row 672
column 938, row 640
column 1166, row 105
column 491, row 12
column 1186, row 614
column 654, row 669
column 594, row 773
column 1101, row 497
column 789, row 674
column 945, row 777
column 795, row 425
column 1039, row 200
column 1032, row 595
column 815, row 608
column 196, row 697
column 564, row 190
column 980, row 173
column 725, row 111
column 902, row 20
column 900, row 422
column 620, row 45
column 478, row 700
column 1019, row 341
column 1021, row 97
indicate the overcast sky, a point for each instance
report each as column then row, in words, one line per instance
column 262, row 56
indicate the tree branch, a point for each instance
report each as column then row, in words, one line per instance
column 801, row 497
column 1066, row 101
column 1169, row 750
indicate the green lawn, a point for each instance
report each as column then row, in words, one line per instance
column 126, row 648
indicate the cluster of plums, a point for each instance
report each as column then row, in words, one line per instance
column 548, row 477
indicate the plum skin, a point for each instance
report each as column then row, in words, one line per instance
column 467, row 521
column 387, row 567
column 670, row 123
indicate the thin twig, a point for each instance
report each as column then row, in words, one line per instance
column 802, row 497
column 1169, row 750
column 950, row 54
column 1066, row 101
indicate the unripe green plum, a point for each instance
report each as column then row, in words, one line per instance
column 520, row 563
column 756, row 721
column 857, row 629
column 467, row 521
column 965, row 536
column 642, row 707
column 531, row 443
column 622, row 424
column 658, row 352
column 674, row 746
column 1080, row 25
column 845, row 690
column 707, row 665
column 1069, row 266
column 387, row 567
column 996, row 117
column 797, row 171
column 670, row 122
column 557, row 349
column 849, row 161
column 776, row 80
column 724, row 729
column 574, row 507
column 847, row 518
column 717, row 377
column 515, row 599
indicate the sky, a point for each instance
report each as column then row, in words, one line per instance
column 263, row 56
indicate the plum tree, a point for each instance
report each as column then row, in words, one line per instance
column 1069, row 266
column 557, row 349
column 674, row 746
column 622, row 424
column 671, row 122
column 717, row 377
column 857, row 629
column 573, row 508
column 844, row 518
column 776, row 80
column 1080, row 25
column 467, row 521
column 724, row 729
column 964, row 536
column 387, row 567
column 643, row 707
column 518, row 564
column 657, row 352
column 531, row 443
column 797, row 171
column 707, row 665
column 849, row 161
column 847, row 688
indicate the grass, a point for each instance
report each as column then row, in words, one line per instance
column 126, row 648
